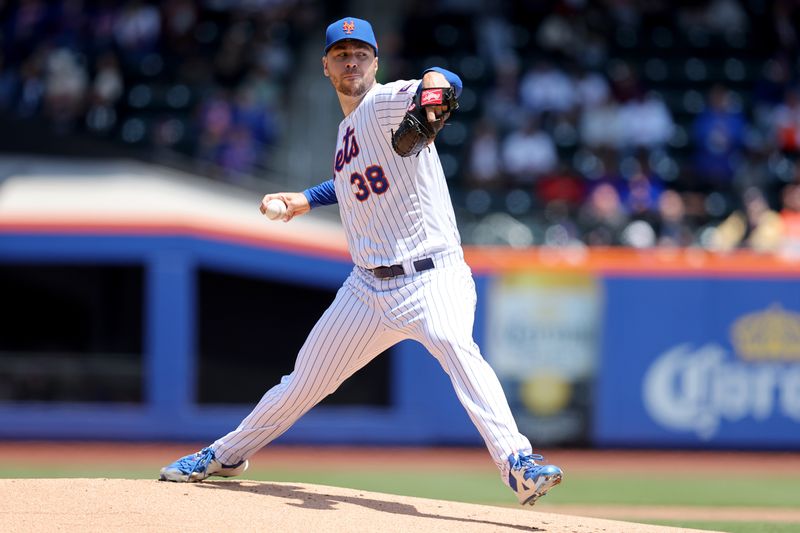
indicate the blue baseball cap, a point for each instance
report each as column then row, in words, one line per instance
column 350, row 28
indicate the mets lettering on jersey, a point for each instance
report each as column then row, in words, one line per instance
column 349, row 149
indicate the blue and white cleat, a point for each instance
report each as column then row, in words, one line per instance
column 530, row 480
column 198, row 466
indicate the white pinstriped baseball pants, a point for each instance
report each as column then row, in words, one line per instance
column 435, row 307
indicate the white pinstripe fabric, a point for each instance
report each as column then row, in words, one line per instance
column 411, row 220
column 435, row 307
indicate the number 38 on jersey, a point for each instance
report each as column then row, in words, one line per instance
column 372, row 181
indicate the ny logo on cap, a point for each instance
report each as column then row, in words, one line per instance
column 349, row 27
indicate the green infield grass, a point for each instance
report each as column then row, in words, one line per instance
column 730, row 527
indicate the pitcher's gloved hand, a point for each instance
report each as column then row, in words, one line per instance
column 416, row 131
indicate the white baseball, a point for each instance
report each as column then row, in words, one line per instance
column 275, row 209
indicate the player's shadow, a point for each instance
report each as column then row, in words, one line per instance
column 327, row 502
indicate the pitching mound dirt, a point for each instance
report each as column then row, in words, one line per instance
column 89, row 505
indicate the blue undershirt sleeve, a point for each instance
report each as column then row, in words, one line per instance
column 453, row 78
column 322, row 194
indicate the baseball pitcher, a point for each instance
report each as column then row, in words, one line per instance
column 409, row 279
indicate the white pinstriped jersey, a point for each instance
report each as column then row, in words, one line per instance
column 393, row 209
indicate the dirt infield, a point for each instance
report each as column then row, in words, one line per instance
column 89, row 505
column 37, row 455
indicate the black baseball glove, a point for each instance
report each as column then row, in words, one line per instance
column 415, row 132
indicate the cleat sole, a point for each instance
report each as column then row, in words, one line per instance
column 549, row 483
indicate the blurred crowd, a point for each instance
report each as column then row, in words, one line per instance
column 630, row 122
column 206, row 78
column 608, row 122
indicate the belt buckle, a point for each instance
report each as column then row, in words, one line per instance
column 383, row 272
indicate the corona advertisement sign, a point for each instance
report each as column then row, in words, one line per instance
column 716, row 367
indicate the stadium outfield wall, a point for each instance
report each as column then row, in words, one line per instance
column 605, row 347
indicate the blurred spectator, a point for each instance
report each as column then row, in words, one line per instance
column 253, row 115
column 238, row 152
column 673, row 229
column 771, row 85
column 484, row 168
column 763, row 223
column 137, row 30
column 606, row 169
column 32, row 87
column 65, row 86
column 24, row 27
column 645, row 123
column 756, row 226
column 600, row 126
column 593, row 89
column 639, row 234
column 753, row 171
column 594, row 54
column 180, row 19
column 107, row 89
column 561, row 186
column 726, row 16
column 602, row 218
column 719, row 133
column 272, row 55
column 786, row 122
column 108, row 85
column 790, row 221
column 625, row 83
column 528, row 153
column 495, row 38
column 545, row 88
column 234, row 132
column 230, row 61
column 641, row 196
column 785, row 16
column 561, row 228
column 101, row 26
column 215, row 119
column 266, row 90
column 167, row 132
column 502, row 102
column 557, row 33
column 715, row 16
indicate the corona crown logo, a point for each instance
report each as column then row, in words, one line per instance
column 769, row 335
column 349, row 27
